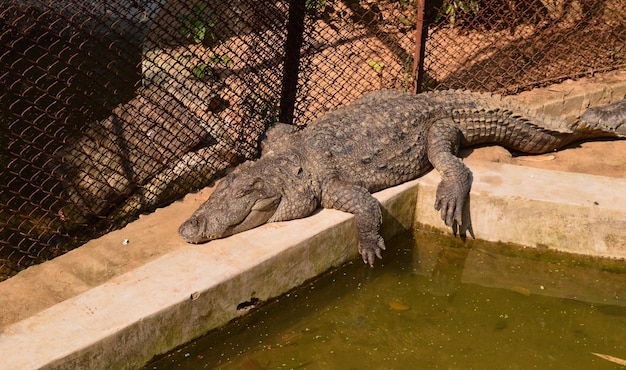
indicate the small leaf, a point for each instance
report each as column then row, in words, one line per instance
column 378, row 67
column 223, row 60
column 201, row 70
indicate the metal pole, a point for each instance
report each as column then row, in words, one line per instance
column 293, row 47
column 421, row 31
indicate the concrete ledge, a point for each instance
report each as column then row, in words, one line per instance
column 532, row 207
column 571, row 98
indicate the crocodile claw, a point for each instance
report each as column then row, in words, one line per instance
column 449, row 200
column 370, row 249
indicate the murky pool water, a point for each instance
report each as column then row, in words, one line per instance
column 434, row 303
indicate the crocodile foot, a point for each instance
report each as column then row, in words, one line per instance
column 371, row 247
column 608, row 118
column 454, row 203
column 451, row 196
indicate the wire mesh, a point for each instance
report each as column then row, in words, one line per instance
column 113, row 108
column 511, row 46
column 352, row 47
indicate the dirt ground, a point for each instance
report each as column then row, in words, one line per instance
column 601, row 158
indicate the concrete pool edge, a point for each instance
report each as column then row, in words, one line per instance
column 545, row 209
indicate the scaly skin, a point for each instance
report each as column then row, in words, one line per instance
column 383, row 139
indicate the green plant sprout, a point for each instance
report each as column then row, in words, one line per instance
column 376, row 66
column 223, row 60
column 315, row 6
column 454, row 8
column 406, row 18
column 203, row 70
column 197, row 25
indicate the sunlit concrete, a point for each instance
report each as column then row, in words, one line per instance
column 532, row 207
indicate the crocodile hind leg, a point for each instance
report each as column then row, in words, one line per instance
column 357, row 200
column 444, row 139
column 607, row 118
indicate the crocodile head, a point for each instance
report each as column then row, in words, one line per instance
column 240, row 202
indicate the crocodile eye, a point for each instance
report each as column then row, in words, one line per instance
column 196, row 223
column 248, row 188
column 258, row 185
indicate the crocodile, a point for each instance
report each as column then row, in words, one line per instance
column 380, row 140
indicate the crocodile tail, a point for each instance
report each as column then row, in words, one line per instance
column 497, row 119
column 485, row 118
column 610, row 119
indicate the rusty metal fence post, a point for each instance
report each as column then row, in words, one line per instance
column 293, row 48
column 421, row 33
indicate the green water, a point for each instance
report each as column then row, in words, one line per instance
column 434, row 303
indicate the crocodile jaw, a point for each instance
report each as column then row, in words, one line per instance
column 228, row 212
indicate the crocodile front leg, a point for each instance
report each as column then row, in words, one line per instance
column 357, row 200
column 444, row 139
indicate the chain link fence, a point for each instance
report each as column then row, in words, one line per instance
column 510, row 46
column 114, row 108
